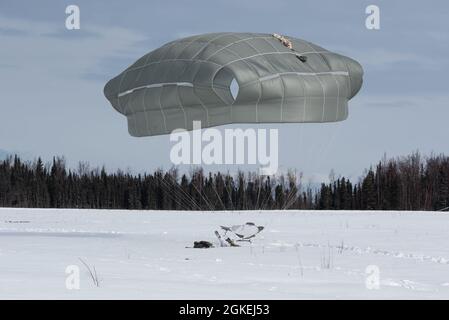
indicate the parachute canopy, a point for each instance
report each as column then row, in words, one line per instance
column 280, row 79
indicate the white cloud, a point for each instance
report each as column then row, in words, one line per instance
column 48, row 107
column 40, row 48
column 426, row 101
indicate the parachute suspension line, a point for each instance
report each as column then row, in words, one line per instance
column 168, row 189
column 189, row 199
column 259, row 185
column 216, row 192
column 192, row 201
column 291, row 198
column 325, row 151
column 204, row 197
column 229, row 192
column 268, row 196
column 266, row 202
column 259, row 189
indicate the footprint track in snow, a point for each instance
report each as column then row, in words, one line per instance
column 369, row 250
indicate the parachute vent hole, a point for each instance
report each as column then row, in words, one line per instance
column 234, row 87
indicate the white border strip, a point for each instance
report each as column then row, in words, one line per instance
column 156, row 85
column 337, row 73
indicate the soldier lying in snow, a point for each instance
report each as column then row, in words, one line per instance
column 229, row 236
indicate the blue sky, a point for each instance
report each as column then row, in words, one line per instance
column 51, row 79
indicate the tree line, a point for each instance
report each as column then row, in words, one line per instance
column 406, row 183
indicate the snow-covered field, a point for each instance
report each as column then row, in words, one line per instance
column 299, row 255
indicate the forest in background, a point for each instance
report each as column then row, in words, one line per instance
column 412, row 182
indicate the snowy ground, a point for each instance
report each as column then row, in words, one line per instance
column 300, row 255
